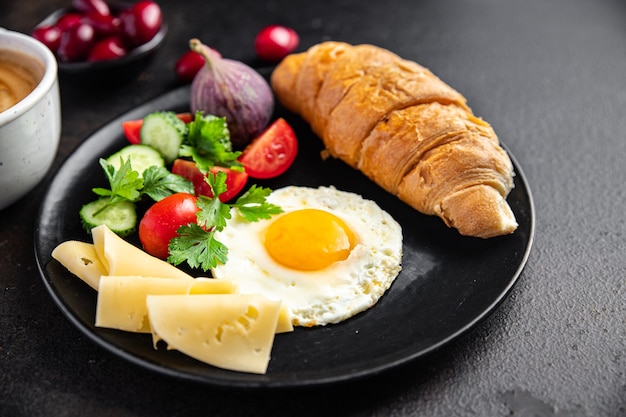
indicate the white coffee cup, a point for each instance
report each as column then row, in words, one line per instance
column 30, row 129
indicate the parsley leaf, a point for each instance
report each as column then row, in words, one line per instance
column 208, row 143
column 196, row 243
column 213, row 213
column 159, row 183
column 253, row 206
column 197, row 247
column 125, row 184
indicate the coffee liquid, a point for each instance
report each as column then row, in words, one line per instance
column 19, row 75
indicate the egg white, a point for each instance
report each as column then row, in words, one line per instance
column 325, row 296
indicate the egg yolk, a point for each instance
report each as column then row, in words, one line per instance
column 309, row 239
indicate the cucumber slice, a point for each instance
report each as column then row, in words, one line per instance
column 164, row 132
column 141, row 157
column 120, row 217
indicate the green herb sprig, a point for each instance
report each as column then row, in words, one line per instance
column 196, row 243
column 126, row 184
column 208, row 143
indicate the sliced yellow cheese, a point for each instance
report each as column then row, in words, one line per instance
column 123, row 258
column 285, row 324
column 202, row 285
column 230, row 331
column 122, row 299
column 81, row 259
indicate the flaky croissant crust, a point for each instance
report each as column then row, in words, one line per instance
column 405, row 129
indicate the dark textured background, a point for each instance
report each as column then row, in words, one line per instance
column 549, row 75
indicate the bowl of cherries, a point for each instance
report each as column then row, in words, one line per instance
column 96, row 41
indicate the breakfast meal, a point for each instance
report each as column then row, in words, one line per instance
column 405, row 129
column 293, row 256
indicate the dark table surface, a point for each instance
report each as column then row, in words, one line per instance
column 548, row 75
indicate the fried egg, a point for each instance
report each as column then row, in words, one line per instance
column 330, row 255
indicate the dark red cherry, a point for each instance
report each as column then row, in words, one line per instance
column 68, row 20
column 105, row 49
column 141, row 22
column 86, row 6
column 104, row 25
column 188, row 65
column 49, row 36
column 76, row 43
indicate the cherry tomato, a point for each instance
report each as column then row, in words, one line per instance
column 235, row 180
column 272, row 153
column 49, row 36
column 161, row 221
column 105, row 49
column 188, row 66
column 141, row 21
column 98, row 6
column 132, row 128
column 275, row 42
column 76, row 42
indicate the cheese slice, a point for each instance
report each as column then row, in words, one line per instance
column 285, row 324
column 81, row 259
column 123, row 258
column 230, row 331
column 122, row 299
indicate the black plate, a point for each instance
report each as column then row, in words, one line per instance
column 447, row 285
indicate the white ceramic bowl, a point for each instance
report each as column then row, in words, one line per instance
column 31, row 129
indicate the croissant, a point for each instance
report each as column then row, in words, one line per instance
column 405, row 129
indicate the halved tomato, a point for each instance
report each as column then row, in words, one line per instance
column 272, row 152
column 132, row 128
column 235, row 180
